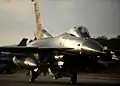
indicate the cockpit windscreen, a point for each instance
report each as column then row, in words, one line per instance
column 79, row 32
column 83, row 32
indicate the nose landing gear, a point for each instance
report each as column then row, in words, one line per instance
column 32, row 76
column 73, row 78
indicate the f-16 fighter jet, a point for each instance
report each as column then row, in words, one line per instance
column 64, row 56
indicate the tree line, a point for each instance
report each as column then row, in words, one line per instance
column 112, row 43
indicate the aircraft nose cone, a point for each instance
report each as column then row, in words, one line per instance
column 92, row 46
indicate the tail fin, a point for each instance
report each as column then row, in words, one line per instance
column 23, row 42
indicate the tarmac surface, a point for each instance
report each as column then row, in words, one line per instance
column 20, row 79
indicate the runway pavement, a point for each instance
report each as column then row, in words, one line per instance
column 20, row 79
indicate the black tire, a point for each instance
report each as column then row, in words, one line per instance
column 31, row 80
column 32, row 76
column 73, row 79
column 44, row 73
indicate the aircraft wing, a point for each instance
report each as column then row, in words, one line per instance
column 25, row 49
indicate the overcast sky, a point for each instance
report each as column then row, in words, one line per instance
column 17, row 20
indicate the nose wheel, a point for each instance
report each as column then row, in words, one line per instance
column 73, row 78
column 32, row 76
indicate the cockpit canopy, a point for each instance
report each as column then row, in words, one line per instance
column 79, row 31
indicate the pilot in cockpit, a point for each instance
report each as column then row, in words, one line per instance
column 83, row 32
column 79, row 31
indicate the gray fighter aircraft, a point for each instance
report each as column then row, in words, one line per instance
column 64, row 55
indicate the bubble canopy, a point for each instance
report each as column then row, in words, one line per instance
column 79, row 31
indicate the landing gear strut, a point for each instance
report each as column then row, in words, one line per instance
column 32, row 76
column 73, row 79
